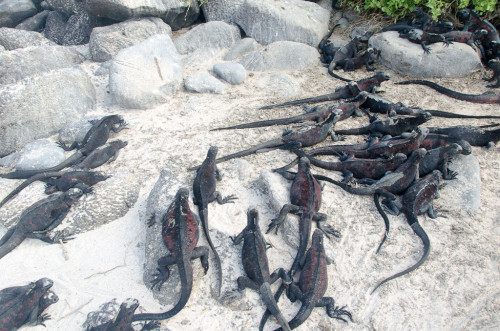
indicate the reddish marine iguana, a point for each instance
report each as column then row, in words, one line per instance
column 180, row 235
column 204, row 192
column 40, row 218
column 487, row 97
column 95, row 137
column 476, row 136
column 416, row 201
column 346, row 92
column 311, row 287
column 256, row 266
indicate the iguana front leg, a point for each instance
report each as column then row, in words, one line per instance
column 277, row 222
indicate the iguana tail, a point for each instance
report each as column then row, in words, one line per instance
column 384, row 216
column 203, row 211
column 427, row 246
column 267, row 296
column 10, row 241
column 325, row 97
column 268, row 313
column 24, row 174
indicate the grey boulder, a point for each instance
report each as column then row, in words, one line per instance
column 13, row 12
column 39, row 106
column 213, row 35
column 233, row 73
column 75, row 131
column 34, row 23
column 270, row 21
column 40, row 154
column 281, row 55
column 203, row 82
column 105, row 42
column 146, row 74
column 14, row 38
column 409, row 59
column 68, row 7
column 242, row 47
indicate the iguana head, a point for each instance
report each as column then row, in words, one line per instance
column 252, row 218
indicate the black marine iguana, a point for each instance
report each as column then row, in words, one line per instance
column 487, row 97
column 316, row 114
column 256, row 266
column 311, row 287
column 438, row 159
column 180, row 235
column 40, row 218
column 423, row 38
column 350, row 64
column 95, row 137
column 24, row 305
column 292, row 139
column 476, row 136
column 494, row 64
column 204, row 192
column 346, row 92
column 416, row 201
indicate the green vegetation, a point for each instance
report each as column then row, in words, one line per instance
column 399, row 8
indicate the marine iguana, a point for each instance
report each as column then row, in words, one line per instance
column 438, row 159
column 204, row 192
column 95, row 137
column 327, row 49
column 311, row 287
column 103, row 154
column 487, row 97
column 318, row 114
column 439, row 27
column 423, row 38
column 347, row 51
column 358, row 168
column 123, row 320
column 416, row 201
column 350, row 64
column 40, row 218
column 473, row 22
column 180, row 235
column 61, row 181
column 393, row 126
column 256, row 266
column 494, row 64
column 433, row 141
column 21, row 305
column 49, row 298
column 476, row 136
column 292, row 139
column 346, row 92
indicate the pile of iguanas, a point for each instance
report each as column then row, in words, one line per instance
column 401, row 161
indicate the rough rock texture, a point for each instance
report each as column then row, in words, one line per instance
column 146, row 74
column 203, row 82
column 281, row 84
column 21, row 63
column 106, row 41
column 77, row 29
column 40, row 154
column 68, row 7
column 177, row 14
column 35, row 22
column 14, row 38
column 76, row 130
column 242, row 47
column 64, row 95
column 464, row 193
column 281, row 55
column 409, row 59
column 13, row 12
column 233, row 73
column 54, row 26
column 270, row 21
column 110, row 200
column 218, row 35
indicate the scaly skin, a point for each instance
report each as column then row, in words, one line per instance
column 346, row 92
column 204, row 192
column 393, row 126
column 123, row 321
column 103, row 154
column 95, row 137
column 359, row 168
column 347, row 51
column 438, row 159
column 63, row 181
column 180, row 235
column 312, row 285
column 350, row 64
column 318, row 115
column 475, row 136
column 256, row 266
column 416, row 201
column 486, row 98
column 24, row 308
column 292, row 139
column 423, row 38
column 40, row 218
column 473, row 22
column 494, row 64
column 433, row 141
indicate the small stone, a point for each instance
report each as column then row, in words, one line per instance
column 203, row 82
column 40, row 154
column 233, row 73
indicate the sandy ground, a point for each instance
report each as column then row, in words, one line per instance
column 458, row 288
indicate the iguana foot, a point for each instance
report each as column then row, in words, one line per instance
column 228, row 199
column 61, row 236
column 44, row 317
column 275, row 224
column 328, row 230
column 151, row 325
column 336, row 312
column 160, row 277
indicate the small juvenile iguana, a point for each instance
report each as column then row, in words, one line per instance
column 316, row 114
column 292, row 139
column 487, row 97
column 95, row 137
column 40, row 218
column 24, row 305
column 256, row 266
column 416, row 201
column 346, row 92
column 204, row 192
column 311, row 287
column 180, row 235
